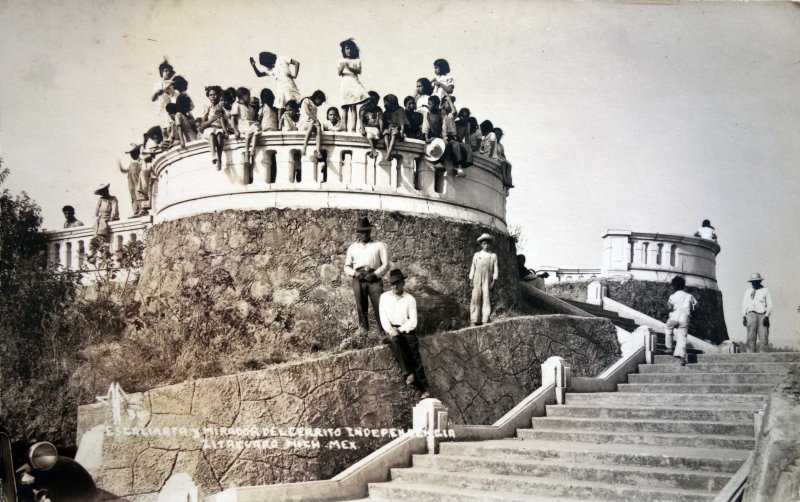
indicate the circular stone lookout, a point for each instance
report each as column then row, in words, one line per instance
column 270, row 240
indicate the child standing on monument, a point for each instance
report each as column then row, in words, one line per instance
column 442, row 82
column 281, row 68
column 353, row 92
column 482, row 274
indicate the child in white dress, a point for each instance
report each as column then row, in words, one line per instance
column 268, row 114
column 442, row 82
column 353, row 92
column 281, row 68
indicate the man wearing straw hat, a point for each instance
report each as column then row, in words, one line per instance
column 398, row 311
column 483, row 274
column 366, row 262
column 756, row 308
column 107, row 210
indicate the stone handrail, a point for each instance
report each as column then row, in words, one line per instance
column 658, row 326
column 67, row 247
column 352, row 483
column 187, row 183
column 659, row 257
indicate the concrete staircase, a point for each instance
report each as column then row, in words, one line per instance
column 672, row 433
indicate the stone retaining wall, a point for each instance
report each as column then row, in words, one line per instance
column 650, row 298
column 479, row 373
column 776, row 469
column 278, row 274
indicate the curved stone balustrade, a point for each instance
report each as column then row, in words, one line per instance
column 659, row 257
column 67, row 247
column 187, row 183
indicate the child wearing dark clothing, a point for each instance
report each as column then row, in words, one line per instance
column 414, row 128
column 394, row 123
column 371, row 117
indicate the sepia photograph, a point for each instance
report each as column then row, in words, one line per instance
column 452, row 251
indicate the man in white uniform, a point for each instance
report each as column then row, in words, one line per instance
column 756, row 308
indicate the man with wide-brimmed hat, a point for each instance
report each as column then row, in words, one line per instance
column 107, row 211
column 398, row 314
column 756, row 309
column 483, row 273
column 366, row 262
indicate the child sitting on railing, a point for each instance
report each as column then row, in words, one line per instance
column 243, row 119
column 182, row 130
column 423, row 94
column 505, row 165
column 268, row 114
column 488, row 139
column 394, row 123
column 310, row 123
column 414, row 128
column 371, row 117
column 475, row 136
column 290, row 116
column 212, row 125
column 333, row 121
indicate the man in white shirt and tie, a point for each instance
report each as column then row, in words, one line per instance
column 366, row 262
column 399, row 319
column 756, row 308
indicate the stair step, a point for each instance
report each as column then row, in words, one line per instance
column 546, row 486
column 603, row 473
column 667, row 439
column 403, row 491
column 782, row 368
column 569, row 424
column 716, row 378
column 688, row 458
column 663, row 399
column 699, row 388
column 706, row 414
column 761, row 357
column 668, row 359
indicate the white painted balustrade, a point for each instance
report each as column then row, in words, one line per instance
column 187, row 183
column 68, row 247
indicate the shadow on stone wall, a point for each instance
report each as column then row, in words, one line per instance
column 479, row 373
column 649, row 297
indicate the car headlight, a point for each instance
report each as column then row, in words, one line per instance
column 43, row 455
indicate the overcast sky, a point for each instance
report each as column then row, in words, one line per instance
column 640, row 116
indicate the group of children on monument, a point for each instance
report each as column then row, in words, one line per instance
column 427, row 115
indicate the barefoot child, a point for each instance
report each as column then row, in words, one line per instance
column 310, row 123
column 483, row 274
column 243, row 118
column 212, row 125
column 372, row 121
column 395, row 123
column 353, row 92
column 280, row 68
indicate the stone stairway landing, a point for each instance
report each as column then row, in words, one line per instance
column 673, row 433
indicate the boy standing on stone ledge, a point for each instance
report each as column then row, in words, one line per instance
column 398, row 315
column 482, row 274
column 366, row 262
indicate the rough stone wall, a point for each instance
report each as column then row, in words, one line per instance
column 648, row 297
column 278, row 274
column 479, row 373
column 776, row 469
